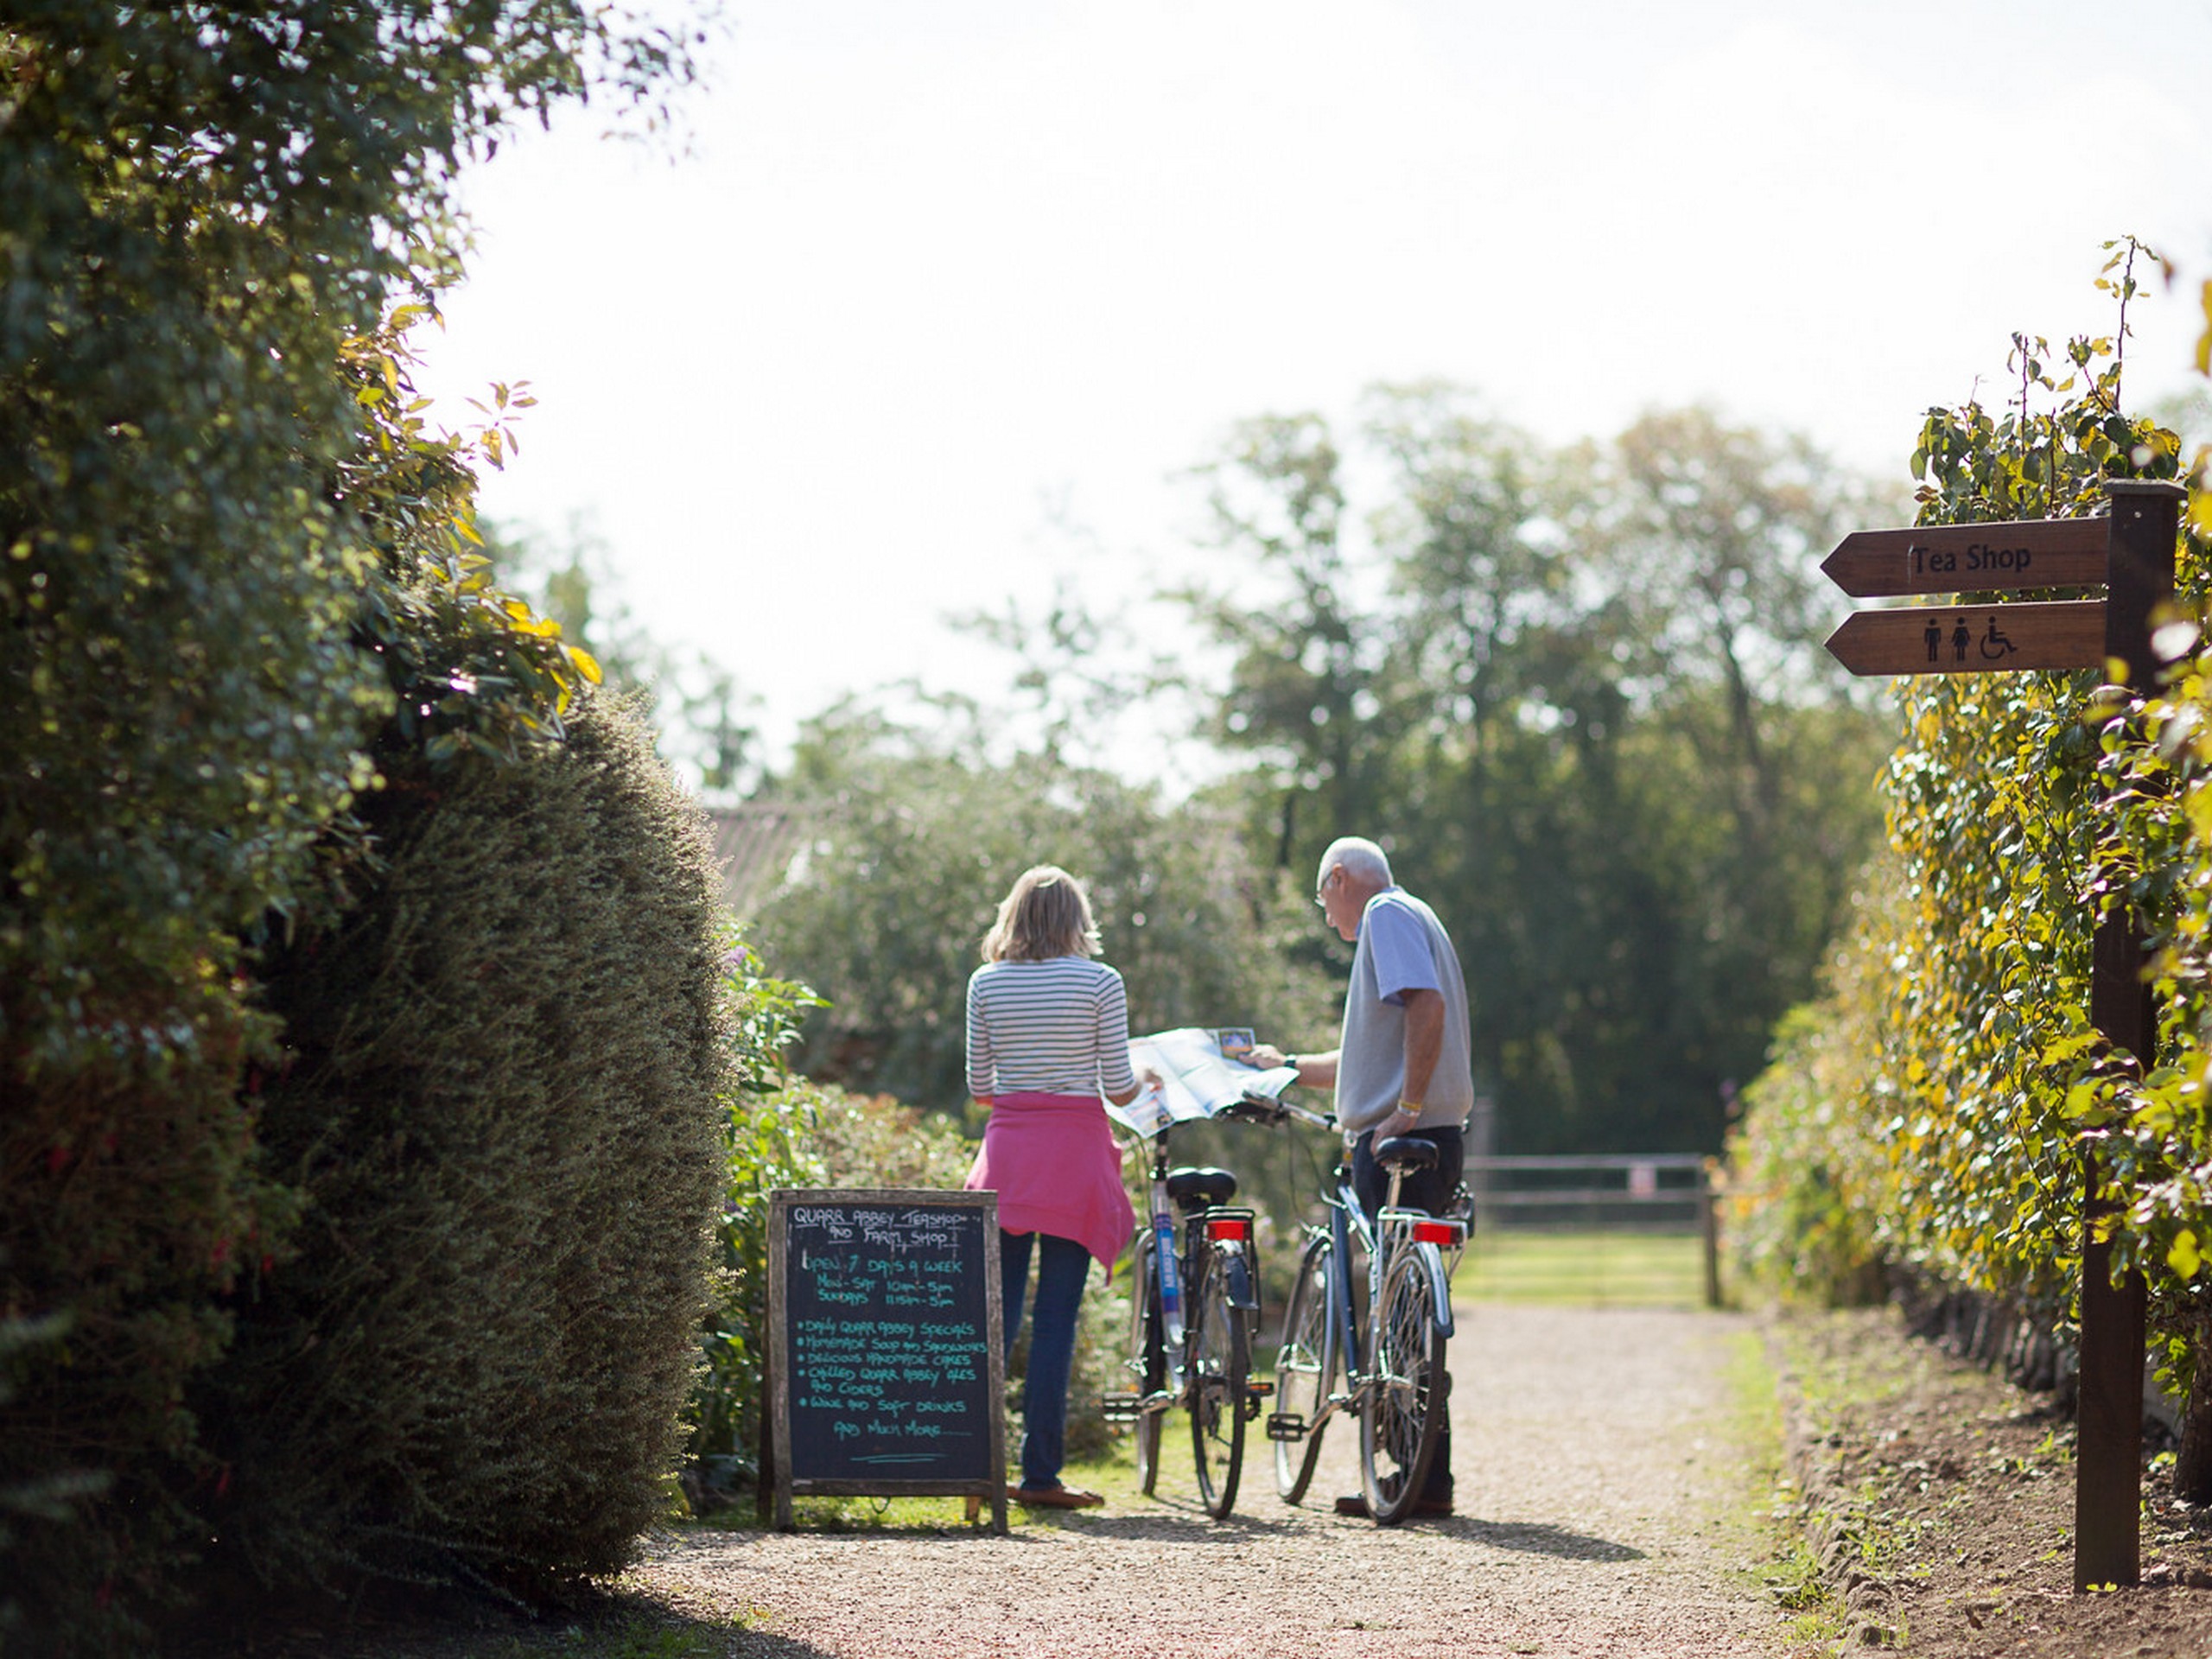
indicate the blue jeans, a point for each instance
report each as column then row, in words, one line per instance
column 1422, row 1189
column 1063, row 1266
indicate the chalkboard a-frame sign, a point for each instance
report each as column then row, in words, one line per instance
column 886, row 1374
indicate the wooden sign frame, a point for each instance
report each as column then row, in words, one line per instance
column 779, row 1476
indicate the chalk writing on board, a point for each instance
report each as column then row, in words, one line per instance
column 889, row 1343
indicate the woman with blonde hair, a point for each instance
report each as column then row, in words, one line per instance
column 1048, row 1036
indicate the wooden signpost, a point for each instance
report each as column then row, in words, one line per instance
column 2132, row 553
column 1969, row 558
column 1972, row 639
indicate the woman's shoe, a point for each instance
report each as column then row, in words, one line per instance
column 1055, row 1498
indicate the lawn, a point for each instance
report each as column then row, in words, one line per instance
column 1592, row 1268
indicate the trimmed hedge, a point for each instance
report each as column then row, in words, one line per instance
column 501, row 1110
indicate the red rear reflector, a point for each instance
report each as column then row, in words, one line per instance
column 1231, row 1228
column 1436, row 1232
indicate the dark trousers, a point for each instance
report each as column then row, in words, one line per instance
column 1421, row 1189
column 1063, row 1266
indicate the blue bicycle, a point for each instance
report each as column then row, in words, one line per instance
column 1389, row 1368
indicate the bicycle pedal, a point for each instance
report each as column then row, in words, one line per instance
column 1259, row 1388
column 1286, row 1426
column 1120, row 1408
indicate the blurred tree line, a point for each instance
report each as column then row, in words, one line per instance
column 1578, row 691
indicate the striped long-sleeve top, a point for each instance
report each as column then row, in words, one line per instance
column 1060, row 1026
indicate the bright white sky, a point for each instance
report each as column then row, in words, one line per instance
column 936, row 277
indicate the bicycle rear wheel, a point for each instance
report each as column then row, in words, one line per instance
column 1306, row 1369
column 1218, row 1362
column 1148, row 1360
column 1402, row 1412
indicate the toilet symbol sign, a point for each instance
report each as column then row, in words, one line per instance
column 1973, row 639
column 1993, row 648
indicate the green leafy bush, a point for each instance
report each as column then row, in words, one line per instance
column 499, row 1107
column 2024, row 806
column 1807, row 1175
column 203, row 205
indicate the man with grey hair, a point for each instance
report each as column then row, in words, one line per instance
column 1403, row 1064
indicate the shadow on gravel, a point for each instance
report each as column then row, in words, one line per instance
column 1534, row 1538
column 1195, row 1527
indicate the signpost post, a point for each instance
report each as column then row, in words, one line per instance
column 2132, row 553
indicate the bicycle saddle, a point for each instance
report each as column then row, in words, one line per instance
column 1404, row 1151
column 1201, row 1189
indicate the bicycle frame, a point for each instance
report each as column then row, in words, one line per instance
column 1347, row 1221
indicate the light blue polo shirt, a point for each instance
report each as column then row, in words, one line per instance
column 1402, row 947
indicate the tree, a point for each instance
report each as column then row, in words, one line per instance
column 914, row 837
column 1301, row 693
column 500, row 1103
column 215, row 587
column 1575, row 695
column 697, row 705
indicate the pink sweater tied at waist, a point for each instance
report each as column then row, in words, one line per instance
column 1052, row 1161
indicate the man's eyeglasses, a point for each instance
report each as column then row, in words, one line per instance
column 1321, row 892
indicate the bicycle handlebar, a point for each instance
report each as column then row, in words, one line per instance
column 1264, row 1108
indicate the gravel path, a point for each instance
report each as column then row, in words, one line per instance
column 1604, row 1473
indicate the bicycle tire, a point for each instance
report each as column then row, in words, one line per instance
column 1306, row 1367
column 1402, row 1411
column 1148, row 1360
column 1217, row 1360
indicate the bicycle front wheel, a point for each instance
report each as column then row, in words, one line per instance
column 1148, row 1360
column 1218, row 1363
column 1402, row 1412
column 1306, row 1369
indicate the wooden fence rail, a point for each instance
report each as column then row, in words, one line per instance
column 1640, row 1192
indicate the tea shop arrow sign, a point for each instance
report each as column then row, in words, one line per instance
column 1970, row 558
column 1972, row 639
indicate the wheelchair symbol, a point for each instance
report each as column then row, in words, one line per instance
column 1995, row 647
